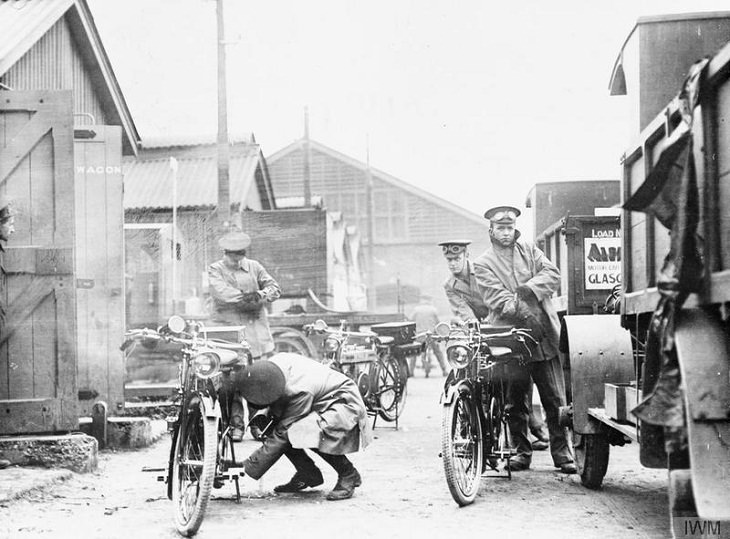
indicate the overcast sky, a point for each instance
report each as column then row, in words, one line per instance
column 474, row 100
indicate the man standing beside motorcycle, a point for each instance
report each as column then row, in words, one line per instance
column 467, row 303
column 516, row 281
column 240, row 288
column 312, row 407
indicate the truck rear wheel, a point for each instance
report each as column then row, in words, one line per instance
column 591, row 458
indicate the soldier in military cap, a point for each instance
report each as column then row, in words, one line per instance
column 516, row 281
column 240, row 288
column 461, row 288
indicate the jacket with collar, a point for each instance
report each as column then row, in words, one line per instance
column 500, row 270
column 465, row 297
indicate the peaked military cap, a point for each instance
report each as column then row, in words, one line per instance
column 235, row 241
column 502, row 215
column 454, row 247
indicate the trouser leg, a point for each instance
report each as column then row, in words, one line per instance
column 548, row 377
column 518, row 385
column 341, row 464
column 440, row 357
column 302, row 462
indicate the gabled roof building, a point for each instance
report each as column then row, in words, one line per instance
column 408, row 221
column 55, row 45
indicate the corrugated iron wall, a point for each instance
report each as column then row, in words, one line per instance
column 54, row 63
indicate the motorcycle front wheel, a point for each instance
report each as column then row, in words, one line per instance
column 391, row 388
column 193, row 467
column 461, row 448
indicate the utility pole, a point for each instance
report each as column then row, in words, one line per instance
column 224, row 152
column 307, row 158
column 371, row 229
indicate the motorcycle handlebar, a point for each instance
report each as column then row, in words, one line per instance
column 134, row 334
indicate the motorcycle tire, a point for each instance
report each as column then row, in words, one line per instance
column 462, row 448
column 193, row 468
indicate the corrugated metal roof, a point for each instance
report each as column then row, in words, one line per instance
column 194, row 139
column 22, row 23
column 148, row 185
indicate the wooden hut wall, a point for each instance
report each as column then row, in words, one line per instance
column 55, row 63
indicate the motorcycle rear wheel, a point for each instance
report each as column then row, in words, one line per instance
column 193, row 468
column 461, row 448
column 391, row 388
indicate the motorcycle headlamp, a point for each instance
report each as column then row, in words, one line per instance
column 331, row 344
column 206, row 365
column 458, row 356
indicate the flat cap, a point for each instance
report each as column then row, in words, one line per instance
column 454, row 246
column 261, row 383
column 502, row 215
column 235, row 241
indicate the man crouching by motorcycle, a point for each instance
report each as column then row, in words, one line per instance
column 313, row 407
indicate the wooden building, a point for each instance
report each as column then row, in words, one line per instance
column 408, row 222
column 153, row 187
column 64, row 126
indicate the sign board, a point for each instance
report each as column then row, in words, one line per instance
column 602, row 257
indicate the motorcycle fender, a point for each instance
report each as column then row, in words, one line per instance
column 704, row 360
column 212, row 407
column 450, row 391
column 599, row 351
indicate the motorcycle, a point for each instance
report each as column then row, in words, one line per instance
column 368, row 360
column 475, row 436
column 202, row 455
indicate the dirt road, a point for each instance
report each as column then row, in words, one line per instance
column 403, row 495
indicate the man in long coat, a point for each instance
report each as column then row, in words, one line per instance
column 517, row 281
column 315, row 408
column 240, row 287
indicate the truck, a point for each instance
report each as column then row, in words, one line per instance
column 653, row 367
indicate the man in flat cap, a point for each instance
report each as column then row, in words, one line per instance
column 517, row 281
column 240, row 287
column 314, row 407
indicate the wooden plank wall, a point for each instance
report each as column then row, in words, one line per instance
column 99, row 267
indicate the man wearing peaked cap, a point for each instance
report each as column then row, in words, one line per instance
column 517, row 282
column 313, row 407
column 461, row 287
column 240, row 288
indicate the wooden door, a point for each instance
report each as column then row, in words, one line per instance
column 37, row 345
column 99, row 252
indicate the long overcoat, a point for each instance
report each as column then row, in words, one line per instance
column 500, row 270
column 227, row 286
column 320, row 409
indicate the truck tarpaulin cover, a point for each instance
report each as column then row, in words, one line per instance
column 670, row 194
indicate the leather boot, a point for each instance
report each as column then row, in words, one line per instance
column 345, row 486
column 300, row 481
